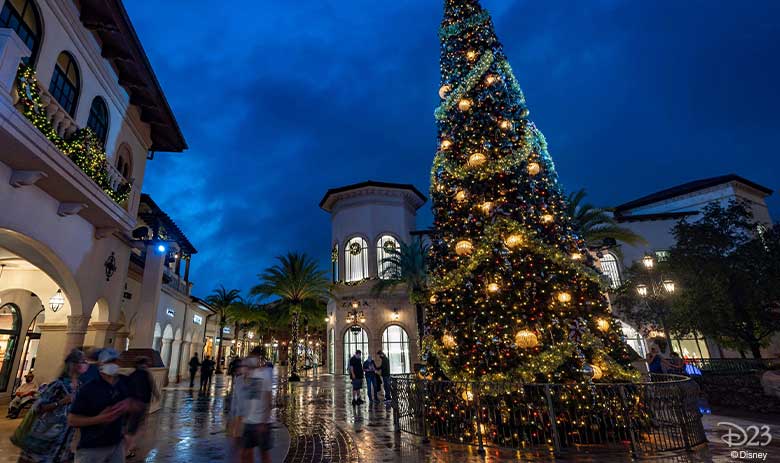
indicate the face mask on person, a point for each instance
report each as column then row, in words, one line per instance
column 110, row 369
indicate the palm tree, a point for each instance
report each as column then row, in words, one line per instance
column 593, row 224
column 407, row 265
column 245, row 314
column 301, row 288
column 221, row 300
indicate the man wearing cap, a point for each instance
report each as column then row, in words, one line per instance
column 99, row 411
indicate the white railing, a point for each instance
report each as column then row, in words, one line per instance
column 115, row 178
column 61, row 121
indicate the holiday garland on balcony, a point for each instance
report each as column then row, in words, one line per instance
column 82, row 147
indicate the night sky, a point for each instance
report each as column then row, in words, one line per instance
column 281, row 100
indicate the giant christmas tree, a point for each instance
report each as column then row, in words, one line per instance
column 514, row 292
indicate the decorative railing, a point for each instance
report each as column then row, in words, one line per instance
column 694, row 366
column 175, row 282
column 640, row 418
column 80, row 145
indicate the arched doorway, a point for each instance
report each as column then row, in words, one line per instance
column 354, row 341
column 30, row 349
column 10, row 324
column 395, row 344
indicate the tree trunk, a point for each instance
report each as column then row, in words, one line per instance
column 221, row 334
column 420, row 324
column 755, row 349
column 668, row 337
column 294, row 349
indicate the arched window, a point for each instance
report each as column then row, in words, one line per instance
column 98, row 119
column 10, row 323
column 609, row 267
column 354, row 341
column 22, row 16
column 386, row 247
column 334, row 262
column 356, row 259
column 633, row 338
column 124, row 162
column 65, row 81
column 395, row 344
column 331, row 351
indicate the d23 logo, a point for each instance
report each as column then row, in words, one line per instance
column 750, row 436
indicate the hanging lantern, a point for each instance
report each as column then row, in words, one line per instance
column 534, row 168
column 460, row 195
column 493, row 288
column 598, row 373
column 547, row 218
column 444, row 90
column 563, row 297
column 448, row 341
column 602, row 324
column 526, row 339
column 514, row 240
column 57, row 301
column 464, row 248
column 477, row 159
column 464, row 104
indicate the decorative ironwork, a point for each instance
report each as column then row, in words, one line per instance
column 643, row 419
column 110, row 265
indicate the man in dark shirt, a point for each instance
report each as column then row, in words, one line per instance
column 194, row 365
column 99, row 410
column 384, row 370
column 206, row 370
column 356, row 374
column 143, row 390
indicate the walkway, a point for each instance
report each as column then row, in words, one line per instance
column 318, row 424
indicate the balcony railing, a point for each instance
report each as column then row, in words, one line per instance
column 80, row 145
column 175, row 282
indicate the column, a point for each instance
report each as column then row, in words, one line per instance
column 173, row 369
column 77, row 329
column 105, row 332
column 165, row 352
column 187, row 269
column 12, row 50
column 184, row 359
column 150, row 298
column 120, row 341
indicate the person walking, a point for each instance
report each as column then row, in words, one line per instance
column 206, row 371
column 369, row 369
column 253, row 409
column 99, row 413
column 384, row 369
column 194, row 365
column 49, row 439
column 143, row 390
column 356, row 375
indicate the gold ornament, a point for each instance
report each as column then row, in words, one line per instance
column 433, row 299
column 486, row 207
column 460, row 195
column 448, row 341
column 576, row 256
column 602, row 324
column 547, row 218
column 598, row 373
column 471, row 55
column 493, row 288
column 491, row 79
column 477, row 159
column 464, row 248
column 563, row 297
column 526, row 339
column 514, row 240
column 505, row 125
column 467, row 395
column 534, row 168
column 464, row 104
column 444, row 90
column 445, row 145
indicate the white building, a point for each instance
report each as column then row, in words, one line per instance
column 367, row 219
column 69, row 203
column 654, row 216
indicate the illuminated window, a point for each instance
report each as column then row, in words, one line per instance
column 395, row 344
column 64, row 86
column 98, row 119
column 354, row 342
column 609, row 267
column 356, row 259
column 691, row 346
column 22, row 17
column 387, row 246
column 633, row 339
column 662, row 256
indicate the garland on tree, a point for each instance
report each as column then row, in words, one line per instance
column 83, row 147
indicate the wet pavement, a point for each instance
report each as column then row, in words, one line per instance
column 317, row 423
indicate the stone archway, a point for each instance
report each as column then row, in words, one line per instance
column 165, row 349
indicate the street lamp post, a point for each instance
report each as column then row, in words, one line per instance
column 654, row 293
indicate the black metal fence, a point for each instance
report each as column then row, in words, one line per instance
column 720, row 365
column 645, row 418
